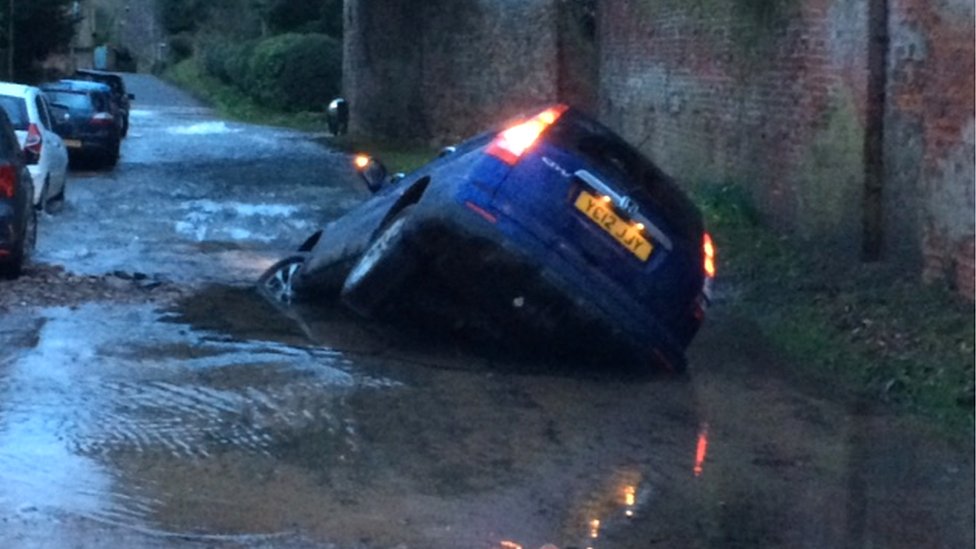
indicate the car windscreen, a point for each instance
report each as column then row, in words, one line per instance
column 16, row 109
column 74, row 101
column 636, row 176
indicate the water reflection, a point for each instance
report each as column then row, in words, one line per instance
column 85, row 407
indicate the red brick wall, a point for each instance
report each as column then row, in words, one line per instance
column 773, row 99
column 930, row 142
column 773, row 94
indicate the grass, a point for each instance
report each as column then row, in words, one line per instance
column 868, row 328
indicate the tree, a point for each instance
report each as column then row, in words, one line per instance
column 40, row 27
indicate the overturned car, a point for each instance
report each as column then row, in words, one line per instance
column 549, row 230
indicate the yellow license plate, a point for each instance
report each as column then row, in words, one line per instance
column 628, row 234
column 72, row 143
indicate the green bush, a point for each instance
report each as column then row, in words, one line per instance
column 294, row 72
column 180, row 47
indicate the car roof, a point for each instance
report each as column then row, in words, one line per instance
column 12, row 88
column 76, row 85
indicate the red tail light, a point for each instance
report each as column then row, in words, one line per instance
column 8, row 184
column 708, row 255
column 103, row 119
column 33, row 144
column 510, row 144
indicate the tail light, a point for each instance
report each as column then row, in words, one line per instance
column 33, row 144
column 103, row 119
column 8, row 183
column 511, row 143
column 708, row 255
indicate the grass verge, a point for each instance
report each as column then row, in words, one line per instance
column 867, row 328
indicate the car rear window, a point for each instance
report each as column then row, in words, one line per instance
column 75, row 101
column 16, row 109
column 637, row 176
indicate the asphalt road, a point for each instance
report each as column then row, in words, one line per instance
column 150, row 398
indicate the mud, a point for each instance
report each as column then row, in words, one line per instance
column 149, row 397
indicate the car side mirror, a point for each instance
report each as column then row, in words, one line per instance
column 371, row 170
column 131, row 96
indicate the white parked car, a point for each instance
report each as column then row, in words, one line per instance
column 47, row 158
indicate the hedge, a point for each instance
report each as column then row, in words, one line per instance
column 290, row 72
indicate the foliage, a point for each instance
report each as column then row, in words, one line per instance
column 868, row 326
column 295, row 71
column 180, row 46
column 311, row 16
column 30, row 47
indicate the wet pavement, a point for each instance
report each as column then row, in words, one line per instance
column 211, row 418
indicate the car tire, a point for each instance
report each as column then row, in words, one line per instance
column 25, row 246
column 125, row 126
column 381, row 270
column 276, row 282
column 113, row 157
column 55, row 204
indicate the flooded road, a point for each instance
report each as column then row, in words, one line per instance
column 214, row 419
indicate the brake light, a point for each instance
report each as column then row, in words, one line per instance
column 511, row 143
column 102, row 119
column 708, row 255
column 8, row 185
column 33, row 144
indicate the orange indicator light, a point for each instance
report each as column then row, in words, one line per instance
column 361, row 161
column 708, row 255
column 701, row 450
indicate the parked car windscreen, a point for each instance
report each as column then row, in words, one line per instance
column 16, row 109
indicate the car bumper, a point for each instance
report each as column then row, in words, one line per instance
column 538, row 295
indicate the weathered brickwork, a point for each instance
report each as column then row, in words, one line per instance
column 442, row 69
column 773, row 99
column 774, row 94
column 930, row 142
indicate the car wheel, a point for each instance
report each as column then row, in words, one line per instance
column 24, row 247
column 125, row 126
column 276, row 282
column 382, row 269
column 113, row 157
column 56, row 203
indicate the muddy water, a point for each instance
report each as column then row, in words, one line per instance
column 218, row 422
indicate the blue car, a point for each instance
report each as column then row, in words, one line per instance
column 550, row 229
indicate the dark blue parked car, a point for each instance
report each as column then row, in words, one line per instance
column 550, row 229
column 18, row 218
column 93, row 128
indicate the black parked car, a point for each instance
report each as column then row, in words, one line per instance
column 92, row 127
column 18, row 218
column 121, row 97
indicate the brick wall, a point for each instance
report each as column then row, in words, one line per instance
column 774, row 94
column 773, row 98
column 443, row 69
column 930, row 139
